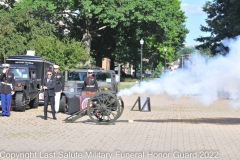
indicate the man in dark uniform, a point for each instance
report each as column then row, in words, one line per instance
column 7, row 89
column 90, row 82
column 49, row 93
column 59, row 86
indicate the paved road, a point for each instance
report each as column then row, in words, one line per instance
column 180, row 128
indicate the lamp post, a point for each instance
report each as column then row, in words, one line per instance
column 165, row 49
column 141, row 42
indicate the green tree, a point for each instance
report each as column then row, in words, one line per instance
column 11, row 40
column 23, row 28
column 185, row 50
column 222, row 22
column 182, row 51
column 205, row 51
column 110, row 28
column 113, row 28
column 66, row 53
column 157, row 29
column 158, row 70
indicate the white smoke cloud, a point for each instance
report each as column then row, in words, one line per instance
column 208, row 79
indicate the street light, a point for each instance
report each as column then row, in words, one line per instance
column 141, row 42
column 165, row 49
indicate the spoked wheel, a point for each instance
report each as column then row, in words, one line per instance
column 120, row 101
column 104, row 108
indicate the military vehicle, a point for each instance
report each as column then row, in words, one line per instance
column 29, row 72
column 74, row 78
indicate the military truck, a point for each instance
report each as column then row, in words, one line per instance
column 29, row 72
column 106, row 79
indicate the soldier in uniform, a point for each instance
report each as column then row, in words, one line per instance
column 90, row 82
column 59, row 87
column 7, row 89
column 49, row 93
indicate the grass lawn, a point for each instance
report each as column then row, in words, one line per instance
column 125, row 86
column 135, row 79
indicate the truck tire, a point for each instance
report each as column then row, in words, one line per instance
column 20, row 102
column 34, row 103
column 63, row 104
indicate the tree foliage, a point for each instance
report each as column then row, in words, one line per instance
column 23, row 28
column 185, row 50
column 107, row 28
column 11, row 40
column 206, row 51
column 113, row 28
column 222, row 22
column 66, row 53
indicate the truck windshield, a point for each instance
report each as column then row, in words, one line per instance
column 19, row 73
column 79, row 76
column 76, row 76
column 103, row 77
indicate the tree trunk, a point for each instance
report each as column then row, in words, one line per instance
column 135, row 69
column 112, row 66
column 87, row 39
column 98, row 60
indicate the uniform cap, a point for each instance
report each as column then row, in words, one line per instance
column 5, row 65
column 55, row 66
column 90, row 70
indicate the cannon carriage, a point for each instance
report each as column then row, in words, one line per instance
column 103, row 107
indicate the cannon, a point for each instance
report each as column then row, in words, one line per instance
column 103, row 107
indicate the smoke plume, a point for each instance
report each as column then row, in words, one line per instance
column 205, row 78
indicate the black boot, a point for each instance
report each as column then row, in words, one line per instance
column 45, row 117
column 54, row 117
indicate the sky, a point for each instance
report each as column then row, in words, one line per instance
column 195, row 18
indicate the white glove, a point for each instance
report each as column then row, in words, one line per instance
column 4, row 70
column 12, row 92
column 44, row 87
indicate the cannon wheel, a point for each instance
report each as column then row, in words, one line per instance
column 120, row 101
column 104, row 108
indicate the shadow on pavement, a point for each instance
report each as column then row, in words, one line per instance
column 40, row 116
column 90, row 122
column 217, row 120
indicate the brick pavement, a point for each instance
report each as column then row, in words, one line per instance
column 174, row 127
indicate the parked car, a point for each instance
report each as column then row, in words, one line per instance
column 148, row 74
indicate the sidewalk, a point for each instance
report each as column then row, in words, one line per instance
column 174, row 128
